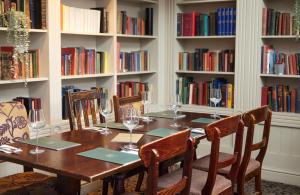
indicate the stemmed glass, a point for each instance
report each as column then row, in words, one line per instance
column 36, row 120
column 175, row 108
column 130, row 119
column 215, row 98
column 146, row 101
column 105, row 111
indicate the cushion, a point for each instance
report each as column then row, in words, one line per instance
column 27, row 180
column 203, row 163
column 136, row 105
column 13, row 122
column 198, row 181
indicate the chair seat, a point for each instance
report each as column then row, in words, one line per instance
column 199, row 178
column 203, row 164
column 25, row 181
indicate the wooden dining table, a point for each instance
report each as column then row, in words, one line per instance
column 71, row 168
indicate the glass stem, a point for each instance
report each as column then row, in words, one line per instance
column 130, row 138
column 215, row 110
column 37, row 140
column 105, row 122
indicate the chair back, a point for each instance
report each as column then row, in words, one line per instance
column 250, row 119
column 135, row 101
column 155, row 152
column 83, row 102
column 215, row 131
column 13, row 122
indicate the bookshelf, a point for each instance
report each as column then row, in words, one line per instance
column 214, row 43
column 286, row 44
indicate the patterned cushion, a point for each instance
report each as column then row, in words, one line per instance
column 25, row 181
column 198, row 181
column 13, row 122
column 136, row 105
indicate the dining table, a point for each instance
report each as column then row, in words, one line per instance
column 72, row 168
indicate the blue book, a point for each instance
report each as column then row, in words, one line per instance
column 223, row 21
column 226, row 29
column 206, row 25
column 219, row 24
column 234, row 21
column 230, row 21
column 288, row 100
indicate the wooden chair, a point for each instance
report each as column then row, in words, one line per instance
column 210, row 182
column 20, row 183
column 81, row 102
column 249, row 167
column 155, row 152
column 135, row 101
column 252, row 167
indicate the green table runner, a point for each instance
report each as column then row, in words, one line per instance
column 165, row 114
column 162, row 132
column 204, row 120
column 110, row 155
column 51, row 143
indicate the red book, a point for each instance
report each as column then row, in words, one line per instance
column 264, row 22
column 70, row 51
column 194, row 15
column 293, row 100
column 200, row 93
column 187, row 19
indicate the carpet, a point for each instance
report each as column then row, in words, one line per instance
column 269, row 188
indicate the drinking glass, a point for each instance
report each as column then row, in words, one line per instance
column 130, row 120
column 215, row 98
column 105, row 111
column 146, row 101
column 175, row 108
column 36, row 121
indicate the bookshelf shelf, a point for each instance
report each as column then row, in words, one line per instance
column 136, row 36
column 86, row 76
column 280, row 76
column 135, row 73
column 204, row 72
column 279, row 37
column 206, row 37
column 88, row 34
column 30, row 30
column 142, row 1
column 30, row 80
column 203, row 1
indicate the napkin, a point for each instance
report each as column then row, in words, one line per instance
column 198, row 130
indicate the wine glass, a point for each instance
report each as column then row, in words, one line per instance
column 105, row 111
column 36, row 121
column 146, row 101
column 215, row 98
column 175, row 108
column 130, row 119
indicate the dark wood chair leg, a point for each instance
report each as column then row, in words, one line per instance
column 258, row 183
column 105, row 186
column 139, row 182
column 240, row 185
column 119, row 187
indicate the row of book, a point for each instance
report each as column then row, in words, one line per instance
column 277, row 23
column 30, row 103
column 9, row 70
column 35, row 10
column 204, row 60
column 281, row 98
column 94, row 20
column 135, row 25
column 270, row 58
column 193, row 92
column 221, row 22
column 133, row 61
column 130, row 88
column 79, row 61
column 72, row 88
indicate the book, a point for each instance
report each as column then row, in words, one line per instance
column 130, row 88
column 29, row 102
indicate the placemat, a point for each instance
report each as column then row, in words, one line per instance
column 162, row 132
column 51, row 143
column 165, row 114
column 110, row 155
column 125, row 137
column 114, row 125
column 204, row 120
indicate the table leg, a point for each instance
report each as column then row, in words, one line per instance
column 68, row 186
column 119, row 187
